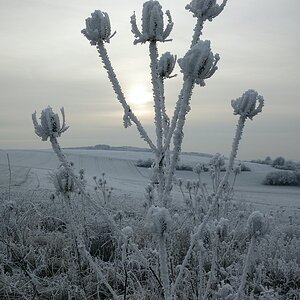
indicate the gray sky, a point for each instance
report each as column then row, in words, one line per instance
column 45, row 60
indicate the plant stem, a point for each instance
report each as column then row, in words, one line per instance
column 178, row 136
column 245, row 269
column 117, row 89
column 199, row 231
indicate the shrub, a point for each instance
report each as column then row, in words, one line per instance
column 245, row 168
column 279, row 161
column 281, row 178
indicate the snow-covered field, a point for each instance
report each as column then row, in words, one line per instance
column 30, row 170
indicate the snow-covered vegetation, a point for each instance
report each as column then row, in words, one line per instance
column 184, row 239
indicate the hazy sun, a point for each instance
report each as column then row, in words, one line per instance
column 139, row 95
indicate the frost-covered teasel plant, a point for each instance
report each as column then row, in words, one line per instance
column 173, row 273
column 197, row 65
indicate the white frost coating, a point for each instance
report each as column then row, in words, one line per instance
column 50, row 124
column 199, row 63
column 257, row 224
column 158, row 220
column 63, row 182
column 248, row 105
column 152, row 24
column 166, row 65
column 205, row 9
column 97, row 27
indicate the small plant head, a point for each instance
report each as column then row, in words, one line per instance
column 166, row 65
column 248, row 105
column 63, row 182
column 158, row 220
column 152, row 24
column 217, row 161
column 205, row 9
column 199, row 168
column 199, row 63
column 237, row 169
column 128, row 232
column 257, row 224
column 222, row 228
column 50, row 124
column 97, row 28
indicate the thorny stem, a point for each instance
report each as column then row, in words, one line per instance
column 63, row 160
column 199, row 230
column 178, row 135
column 245, row 269
column 117, row 88
column 164, row 270
column 79, row 238
column 197, row 32
column 158, row 114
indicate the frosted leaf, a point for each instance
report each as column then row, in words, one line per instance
column 199, row 63
column 50, row 124
column 248, row 105
column 205, row 9
column 257, row 224
column 152, row 24
column 166, row 64
column 97, row 27
column 158, row 220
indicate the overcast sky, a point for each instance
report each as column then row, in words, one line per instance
column 45, row 60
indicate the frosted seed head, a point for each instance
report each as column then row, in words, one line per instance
column 127, row 231
column 218, row 160
column 63, row 182
column 158, row 220
column 199, row 168
column 248, row 105
column 152, row 24
column 199, row 62
column 205, row 9
column 50, row 124
column 222, row 228
column 97, row 27
column 166, row 65
column 257, row 224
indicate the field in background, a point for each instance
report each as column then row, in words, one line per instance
column 30, row 171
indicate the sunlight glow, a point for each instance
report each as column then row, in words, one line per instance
column 138, row 95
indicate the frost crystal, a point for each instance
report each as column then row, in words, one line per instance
column 257, row 224
column 50, row 124
column 97, row 27
column 158, row 220
column 199, row 63
column 166, row 65
column 152, row 24
column 246, row 106
column 205, row 9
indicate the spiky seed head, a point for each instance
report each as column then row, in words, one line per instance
column 248, row 105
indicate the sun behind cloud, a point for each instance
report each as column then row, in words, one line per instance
column 138, row 95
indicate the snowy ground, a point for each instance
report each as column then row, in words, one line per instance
column 30, row 170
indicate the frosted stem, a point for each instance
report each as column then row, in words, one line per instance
column 163, row 263
column 178, row 135
column 197, row 32
column 199, row 231
column 158, row 114
column 117, row 88
column 65, row 163
column 245, row 270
